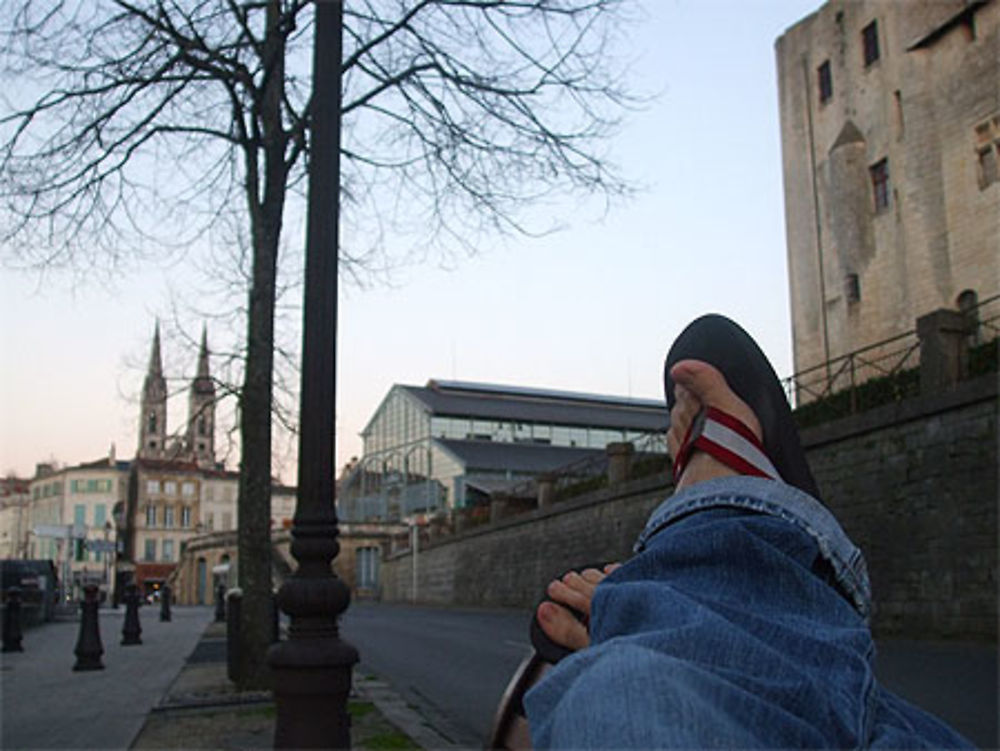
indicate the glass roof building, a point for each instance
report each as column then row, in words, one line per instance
column 451, row 444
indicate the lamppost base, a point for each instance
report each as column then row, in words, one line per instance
column 312, row 682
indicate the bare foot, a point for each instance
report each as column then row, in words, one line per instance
column 698, row 385
column 575, row 590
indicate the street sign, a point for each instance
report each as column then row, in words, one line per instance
column 52, row 530
column 101, row 546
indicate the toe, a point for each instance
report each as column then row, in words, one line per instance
column 562, row 627
column 576, row 593
column 709, row 388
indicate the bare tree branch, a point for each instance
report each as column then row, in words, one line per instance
column 130, row 128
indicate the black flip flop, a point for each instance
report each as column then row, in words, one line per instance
column 722, row 343
column 547, row 649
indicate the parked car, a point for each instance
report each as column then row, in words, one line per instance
column 38, row 584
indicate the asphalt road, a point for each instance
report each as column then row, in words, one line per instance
column 453, row 665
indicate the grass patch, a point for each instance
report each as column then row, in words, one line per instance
column 586, row 485
column 360, row 709
column 268, row 710
column 389, row 741
column 870, row 394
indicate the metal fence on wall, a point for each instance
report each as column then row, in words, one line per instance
column 648, row 451
column 886, row 367
column 881, row 372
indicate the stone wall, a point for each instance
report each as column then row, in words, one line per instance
column 914, row 484
column 508, row 563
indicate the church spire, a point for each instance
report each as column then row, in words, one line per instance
column 153, row 413
column 155, row 369
column 201, row 410
column 203, row 358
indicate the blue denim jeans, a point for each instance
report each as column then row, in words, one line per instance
column 741, row 622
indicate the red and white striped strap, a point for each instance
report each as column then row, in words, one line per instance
column 729, row 440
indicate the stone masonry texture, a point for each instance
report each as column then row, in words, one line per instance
column 929, row 105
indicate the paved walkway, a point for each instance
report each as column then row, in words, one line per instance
column 170, row 692
column 48, row 705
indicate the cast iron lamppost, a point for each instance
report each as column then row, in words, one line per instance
column 312, row 669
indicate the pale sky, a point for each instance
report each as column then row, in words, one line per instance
column 592, row 308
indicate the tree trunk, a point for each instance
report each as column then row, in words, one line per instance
column 266, row 212
column 255, row 468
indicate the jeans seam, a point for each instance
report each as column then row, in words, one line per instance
column 870, row 700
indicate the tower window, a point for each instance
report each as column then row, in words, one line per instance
column 202, row 425
column 852, row 288
column 152, row 422
column 869, row 40
column 825, row 77
column 988, row 166
column 880, row 184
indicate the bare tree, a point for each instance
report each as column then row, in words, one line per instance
column 132, row 128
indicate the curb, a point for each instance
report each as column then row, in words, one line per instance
column 202, row 688
column 395, row 709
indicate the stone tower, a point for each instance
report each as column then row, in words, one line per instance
column 153, row 413
column 200, row 439
column 890, row 133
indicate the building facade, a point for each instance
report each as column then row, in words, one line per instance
column 448, row 444
column 165, row 513
column 212, row 559
column 71, row 522
column 890, row 131
column 15, row 507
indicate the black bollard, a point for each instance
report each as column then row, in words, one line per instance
column 275, row 618
column 220, row 603
column 88, row 645
column 131, row 630
column 164, row 603
column 234, row 605
column 12, row 621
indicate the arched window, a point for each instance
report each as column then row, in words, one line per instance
column 152, row 422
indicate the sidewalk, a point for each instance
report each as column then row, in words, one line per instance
column 171, row 691
column 202, row 709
